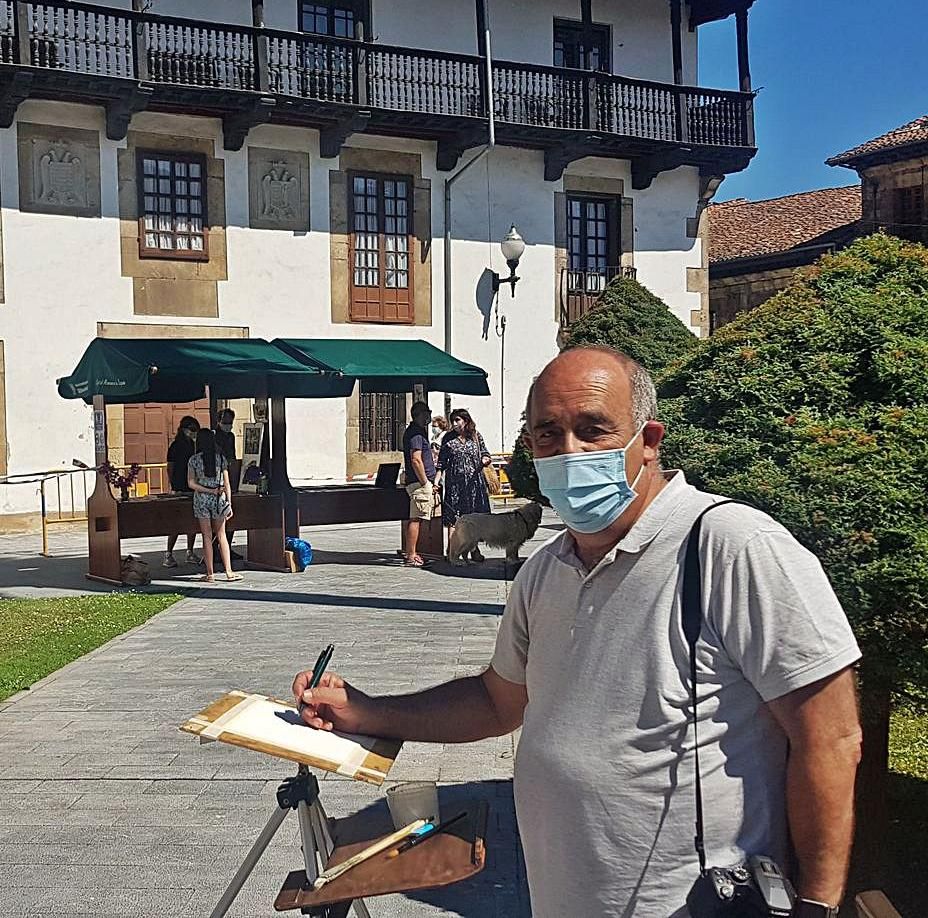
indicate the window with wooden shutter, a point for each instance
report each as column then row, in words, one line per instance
column 380, row 248
column 172, row 205
column 908, row 213
column 382, row 421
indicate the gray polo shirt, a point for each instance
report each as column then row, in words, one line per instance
column 604, row 770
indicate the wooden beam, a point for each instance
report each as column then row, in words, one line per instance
column 333, row 137
column 236, row 125
column 119, row 111
column 676, row 21
column 257, row 13
column 744, row 63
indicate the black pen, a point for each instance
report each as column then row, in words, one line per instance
column 425, row 836
column 321, row 663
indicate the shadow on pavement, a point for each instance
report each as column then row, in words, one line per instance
column 504, row 865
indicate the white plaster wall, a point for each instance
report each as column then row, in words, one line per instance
column 663, row 251
column 63, row 276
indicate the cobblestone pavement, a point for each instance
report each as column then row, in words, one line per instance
column 106, row 809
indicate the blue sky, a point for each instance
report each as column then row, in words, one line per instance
column 834, row 74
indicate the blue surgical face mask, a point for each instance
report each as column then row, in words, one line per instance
column 590, row 491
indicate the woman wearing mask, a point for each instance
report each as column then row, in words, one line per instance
column 461, row 462
column 179, row 453
column 439, row 431
column 208, row 478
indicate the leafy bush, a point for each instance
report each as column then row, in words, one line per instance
column 630, row 319
column 814, row 406
column 633, row 320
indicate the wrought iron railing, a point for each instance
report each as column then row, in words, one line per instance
column 580, row 291
column 107, row 42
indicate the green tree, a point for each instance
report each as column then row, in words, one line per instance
column 633, row 320
column 814, row 407
column 630, row 319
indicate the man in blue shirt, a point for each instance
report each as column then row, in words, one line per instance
column 420, row 478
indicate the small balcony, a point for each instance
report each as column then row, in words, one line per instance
column 129, row 60
column 581, row 290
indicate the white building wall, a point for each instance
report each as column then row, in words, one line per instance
column 63, row 277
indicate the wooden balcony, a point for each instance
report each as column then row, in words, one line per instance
column 581, row 291
column 128, row 61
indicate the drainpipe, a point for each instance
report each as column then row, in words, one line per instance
column 449, row 186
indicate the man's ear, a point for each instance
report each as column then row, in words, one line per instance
column 651, row 437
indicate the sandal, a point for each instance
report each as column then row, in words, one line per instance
column 414, row 562
column 233, row 578
column 207, row 578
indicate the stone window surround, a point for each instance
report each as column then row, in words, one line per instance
column 172, row 287
column 591, row 185
column 387, row 162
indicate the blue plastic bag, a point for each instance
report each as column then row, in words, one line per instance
column 302, row 551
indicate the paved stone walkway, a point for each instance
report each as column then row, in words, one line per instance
column 107, row 810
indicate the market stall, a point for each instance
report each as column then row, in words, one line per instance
column 177, row 370
column 379, row 366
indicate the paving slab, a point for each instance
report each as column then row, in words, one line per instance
column 108, row 811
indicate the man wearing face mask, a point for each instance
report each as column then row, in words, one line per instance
column 592, row 662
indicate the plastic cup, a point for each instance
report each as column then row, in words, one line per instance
column 412, row 801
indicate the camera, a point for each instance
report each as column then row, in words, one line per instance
column 757, row 889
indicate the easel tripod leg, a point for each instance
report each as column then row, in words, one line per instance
column 251, row 859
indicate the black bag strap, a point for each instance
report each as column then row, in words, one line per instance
column 692, row 626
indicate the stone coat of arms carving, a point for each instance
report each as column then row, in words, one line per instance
column 279, row 189
column 61, row 177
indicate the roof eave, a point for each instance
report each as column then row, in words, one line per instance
column 703, row 11
column 880, row 157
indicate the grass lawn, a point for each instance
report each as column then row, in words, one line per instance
column 906, row 880
column 38, row 636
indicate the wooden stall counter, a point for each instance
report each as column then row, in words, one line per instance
column 363, row 502
column 110, row 521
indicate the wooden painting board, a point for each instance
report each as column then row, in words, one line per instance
column 247, row 720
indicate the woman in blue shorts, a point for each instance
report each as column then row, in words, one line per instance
column 208, row 478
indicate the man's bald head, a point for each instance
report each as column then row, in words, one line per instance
column 600, row 366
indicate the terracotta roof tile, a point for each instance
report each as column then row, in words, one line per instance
column 914, row 132
column 744, row 229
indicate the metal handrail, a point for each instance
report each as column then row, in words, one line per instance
column 61, row 502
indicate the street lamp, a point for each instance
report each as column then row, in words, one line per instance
column 512, row 248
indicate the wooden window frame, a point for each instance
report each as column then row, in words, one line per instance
column 147, row 252
column 362, row 16
column 909, row 215
column 576, row 25
column 371, row 415
column 613, row 205
column 353, row 315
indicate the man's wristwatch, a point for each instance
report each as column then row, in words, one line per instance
column 808, row 908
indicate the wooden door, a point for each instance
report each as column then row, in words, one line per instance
column 148, row 431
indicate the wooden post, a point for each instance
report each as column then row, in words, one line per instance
column 361, row 68
column 676, row 20
column 744, row 75
column 140, row 42
column 744, row 63
column 586, row 20
column 261, row 48
column 23, row 38
column 481, row 27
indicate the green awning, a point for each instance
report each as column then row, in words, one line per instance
column 389, row 366
column 126, row 370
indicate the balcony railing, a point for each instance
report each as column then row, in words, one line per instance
column 106, row 42
column 580, row 290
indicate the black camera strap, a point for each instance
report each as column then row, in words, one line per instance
column 692, row 626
